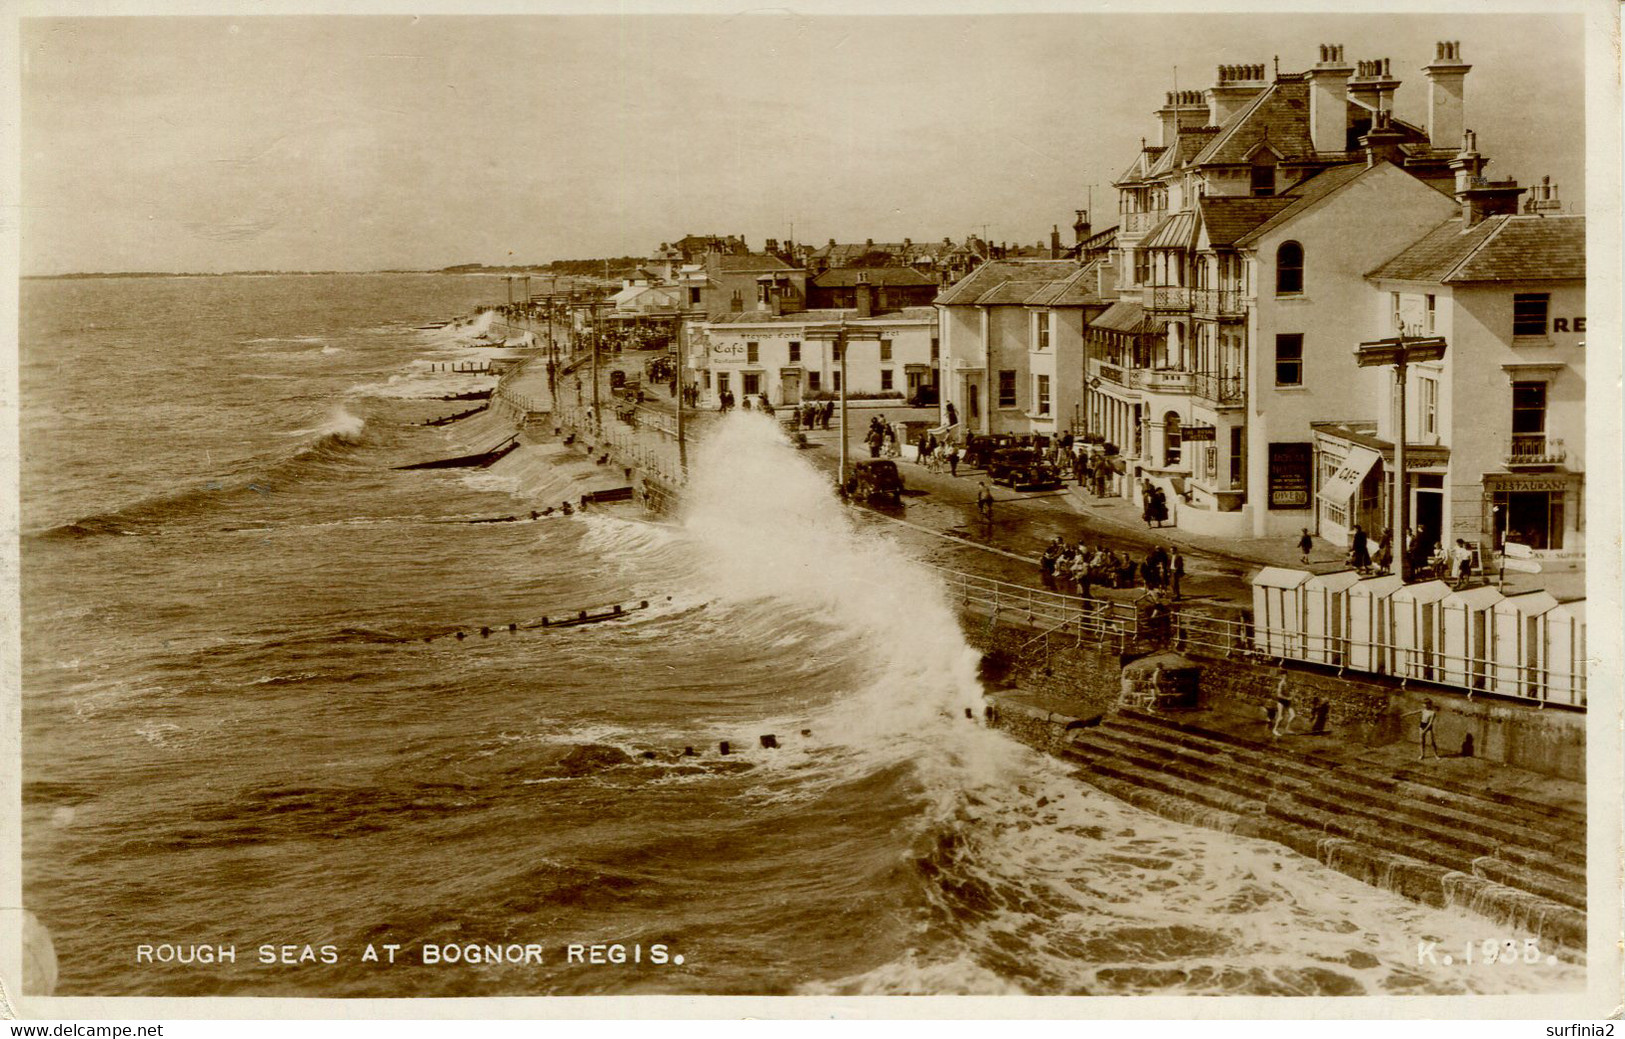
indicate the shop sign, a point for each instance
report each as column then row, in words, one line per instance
column 1291, row 467
column 1196, row 434
column 1525, row 483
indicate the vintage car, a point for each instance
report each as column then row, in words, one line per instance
column 875, row 479
column 981, row 447
column 1022, row 469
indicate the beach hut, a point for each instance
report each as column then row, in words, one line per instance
column 1516, row 644
column 1464, row 622
column 1563, row 652
column 1325, row 602
column 1414, row 613
column 1366, row 625
column 1278, row 611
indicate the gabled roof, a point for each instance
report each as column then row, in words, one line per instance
column 1306, row 193
column 1278, row 117
column 969, row 290
column 1525, row 247
column 1142, row 162
column 1227, row 218
column 842, row 277
column 746, row 262
column 1187, row 145
column 1076, row 290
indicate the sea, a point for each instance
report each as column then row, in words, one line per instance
column 249, row 722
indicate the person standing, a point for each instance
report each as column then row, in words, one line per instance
column 1305, row 544
column 953, row 461
column 953, row 419
column 1461, row 562
column 1176, row 566
column 1283, row 708
column 1427, row 727
column 984, row 501
column 1359, row 552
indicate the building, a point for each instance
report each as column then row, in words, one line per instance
column 1495, row 430
column 791, row 357
column 886, row 288
column 1244, row 237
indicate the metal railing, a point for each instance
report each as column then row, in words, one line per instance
column 1053, row 613
column 1217, row 302
column 1169, row 297
column 1535, row 449
column 1218, row 388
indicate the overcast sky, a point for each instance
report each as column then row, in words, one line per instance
column 208, row 144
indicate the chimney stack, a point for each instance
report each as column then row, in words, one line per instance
column 1183, row 108
column 1234, row 87
column 1382, row 142
column 1543, row 198
column 1328, row 100
column 1468, row 165
column 1373, row 85
column 1478, row 197
column 865, row 293
column 1080, row 226
column 1447, row 82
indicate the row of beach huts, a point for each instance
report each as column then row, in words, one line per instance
column 1527, row 645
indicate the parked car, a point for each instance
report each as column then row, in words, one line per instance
column 980, row 448
column 875, row 479
column 1023, row 469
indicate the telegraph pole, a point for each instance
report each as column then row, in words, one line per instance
column 682, row 445
column 840, row 347
column 597, row 419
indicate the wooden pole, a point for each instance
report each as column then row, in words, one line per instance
column 840, row 347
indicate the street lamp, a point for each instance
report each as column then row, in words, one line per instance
column 1400, row 352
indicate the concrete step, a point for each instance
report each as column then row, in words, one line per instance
column 1465, row 825
column 1566, row 828
column 1386, row 825
column 1198, row 802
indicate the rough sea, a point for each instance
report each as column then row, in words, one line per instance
column 246, row 724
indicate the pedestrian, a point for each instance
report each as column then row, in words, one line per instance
column 1359, row 551
column 953, row 461
column 1283, row 708
column 1047, row 562
column 953, row 419
column 1318, row 710
column 1385, row 551
column 984, row 501
column 1176, row 566
column 1461, row 562
column 1082, row 571
column 1427, row 727
column 1305, row 543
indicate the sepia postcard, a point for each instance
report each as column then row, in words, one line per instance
column 1047, row 509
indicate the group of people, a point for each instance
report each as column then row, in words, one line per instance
column 726, row 402
column 1076, row 568
column 934, row 452
column 881, row 437
column 1453, row 563
column 1153, row 504
column 814, row 414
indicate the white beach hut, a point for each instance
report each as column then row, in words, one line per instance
column 1368, row 636
column 1415, row 613
column 1278, row 611
column 1325, row 606
column 1465, row 623
column 1563, row 652
column 1516, row 644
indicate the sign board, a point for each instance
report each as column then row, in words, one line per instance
column 1496, row 482
column 1291, row 467
column 1196, row 434
column 1517, row 551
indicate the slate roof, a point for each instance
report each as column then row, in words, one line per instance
column 1278, row 117
column 1076, row 290
column 1525, row 247
column 1306, row 193
column 1136, row 170
column 1227, row 218
column 747, row 262
column 1187, row 145
column 969, row 290
column 843, row 277
column 1176, row 231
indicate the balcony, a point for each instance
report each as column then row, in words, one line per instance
column 1114, row 374
column 1168, row 298
column 1220, row 389
column 1165, row 380
column 1534, row 450
column 1217, row 303
column 1141, row 222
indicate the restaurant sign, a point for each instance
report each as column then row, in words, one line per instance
column 1291, row 467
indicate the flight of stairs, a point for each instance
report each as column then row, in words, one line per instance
column 1430, row 837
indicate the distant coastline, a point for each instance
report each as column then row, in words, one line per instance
column 614, row 267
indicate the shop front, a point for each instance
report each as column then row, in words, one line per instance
column 1541, row 511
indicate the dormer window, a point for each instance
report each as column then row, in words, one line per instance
column 1262, row 174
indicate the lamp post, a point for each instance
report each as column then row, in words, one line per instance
column 840, row 352
column 1400, row 352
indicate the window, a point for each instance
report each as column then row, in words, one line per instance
column 813, row 380
column 1288, row 269
column 936, row 348
column 1041, row 328
column 1289, row 360
column 1427, row 405
column 885, row 378
column 1171, row 443
column 1237, row 435
column 835, row 381
column 1007, row 389
column 1043, row 394
column 1529, row 313
column 885, row 349
column 1261, row 180
column 722, row 382
column 795, row 352
column 693, row 297
column 753, row 355
column 1396, row 322
column 1142, row 266
column 1528, row 408
column 753, row 384
column 1432, row 310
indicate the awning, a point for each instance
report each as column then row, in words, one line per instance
column 1174, row 232
column 1341, row 487
column 1123, row 316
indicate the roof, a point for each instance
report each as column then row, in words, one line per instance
column 1524, row 247
column 1278, row 117
column 1123, row 316
column 1227, row 218
column 1075, row 290
column 1143, row 161
column 828, row 316
column 1014, row 292
column 968, row 290
column 1306, row 193
column 1188, row 143
column 842, row 277
column 737, row 262
column 1176, row 231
